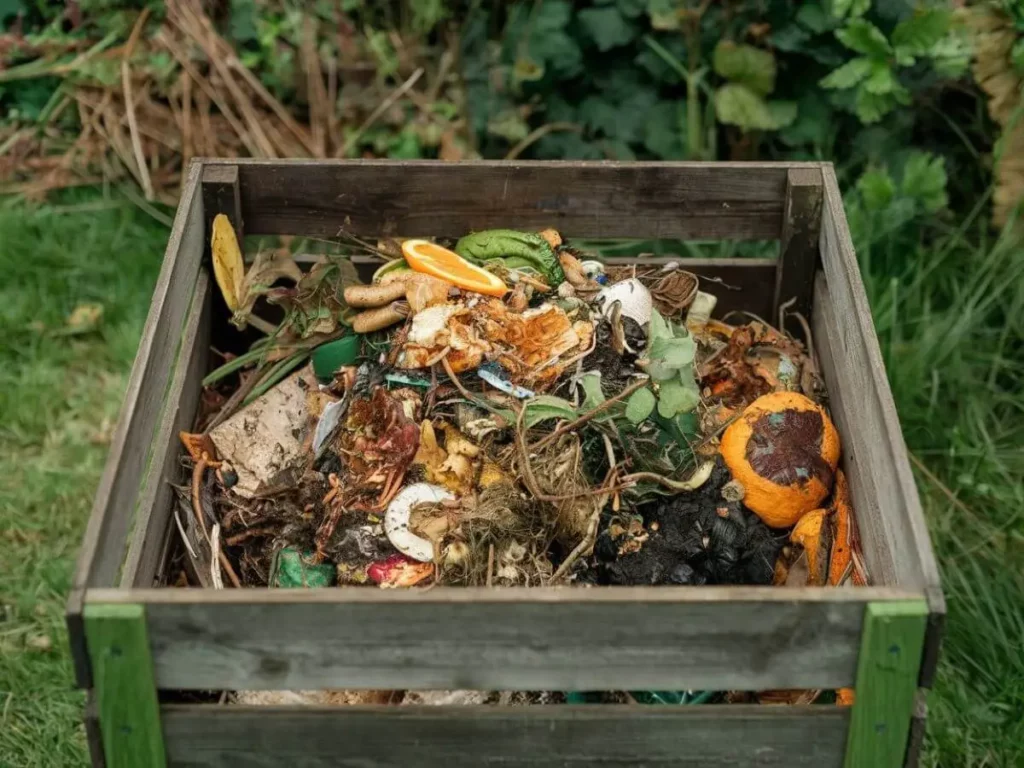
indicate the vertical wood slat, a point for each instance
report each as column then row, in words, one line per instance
column 104, row 543
column 93, row 735
column 129, row 712
column 798, row 249
column 862, row 456
column 852, row 335
column 157, row 499
column 222, row 194
column 887, row 672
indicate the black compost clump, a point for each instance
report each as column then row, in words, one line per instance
column 695, row 538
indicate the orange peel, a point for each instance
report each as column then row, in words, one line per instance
column 784, row 451
column 437, row 261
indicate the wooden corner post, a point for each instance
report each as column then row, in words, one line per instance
column 798, row 252
column 887, row 673
column 222, row 194
column 122, row 667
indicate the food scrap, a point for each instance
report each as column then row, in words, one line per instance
column 505, row 410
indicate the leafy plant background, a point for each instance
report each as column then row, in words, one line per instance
column 918, row 104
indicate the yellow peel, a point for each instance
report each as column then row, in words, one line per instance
column 228, row 267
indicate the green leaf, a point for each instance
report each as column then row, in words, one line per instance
column 814, row 123
column 509, row 124
column 864, row 37
column 664, row 14
column 783, row 113
column 674, row 353
column 552, row 15
column 840, row 8
column 872, row 107
column 848, row 75
column 658, row 328
column 545, row 407
column 663, row 130
column 640, row 405
column 881, row 79
column 951, row 56
column 746, row 65
column 593, row 395
column 560, row 52
column 1017, row 56
column 527, row 70
column 738, row 105
column 676, row 397
column 876, row 189
column 606, row 27
column 632, row 8
column 790, row 38
column 924, row 180
column 921, row 31
column 813, row 17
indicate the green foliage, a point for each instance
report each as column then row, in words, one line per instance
column 670, row 356
column 875, row 77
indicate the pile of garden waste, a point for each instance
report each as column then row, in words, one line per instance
column 505, row 410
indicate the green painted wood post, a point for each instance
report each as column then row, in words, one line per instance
column 122, row 668
column 887, row 672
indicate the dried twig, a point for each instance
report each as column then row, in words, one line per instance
column 129, row 105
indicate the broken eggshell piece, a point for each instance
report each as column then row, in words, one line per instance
column 396, row 520
column 633, row 298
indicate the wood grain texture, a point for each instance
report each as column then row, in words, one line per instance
column 895, row 487
column 733, row 201
column 222, row 194
column 105, row 540
column 156, row 500
column 863, row 456
column 918, row 727
column 798, row 250
column 555, row 736
column 93, row 735
column 129, row 713
column 887, row 673
column 537, row 639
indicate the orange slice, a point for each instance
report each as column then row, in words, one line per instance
column 431, row 259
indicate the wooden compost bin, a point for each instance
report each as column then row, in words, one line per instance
column 133, row 641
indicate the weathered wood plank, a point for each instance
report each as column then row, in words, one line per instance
column 555, row 736
column 918, row 726
column 93, row 735
column 535, row 639
column 129, row 713
column 798, row 252
column 104, row 544
column 863, row 457
column 156, row 500
column 897, row 491
column 734, row 201
column 887, row 672
column 222, row 194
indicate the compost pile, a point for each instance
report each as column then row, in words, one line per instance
column 506, row 411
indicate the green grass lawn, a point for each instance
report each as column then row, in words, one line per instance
column 950, row 314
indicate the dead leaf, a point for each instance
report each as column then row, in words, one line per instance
column 228, row 265
column 41, row 643
column 84, row 318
